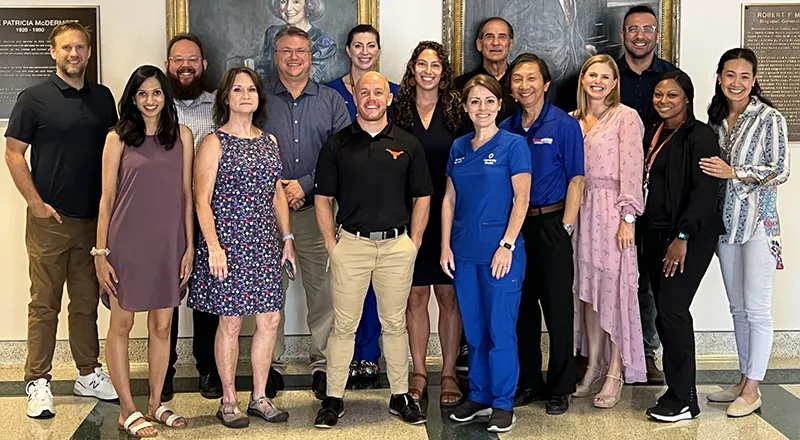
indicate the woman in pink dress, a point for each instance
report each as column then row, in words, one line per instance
column 607, row 323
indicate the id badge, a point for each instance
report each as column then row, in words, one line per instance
column 645, row 191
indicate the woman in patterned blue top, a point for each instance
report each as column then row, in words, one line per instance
column 241, row 207
column 755, row 160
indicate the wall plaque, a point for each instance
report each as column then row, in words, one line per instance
column 772, row 31
column 25, row 50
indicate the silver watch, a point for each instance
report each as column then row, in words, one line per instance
column 629, row 218
column 569, row 228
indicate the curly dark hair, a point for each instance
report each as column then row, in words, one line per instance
column 448, row 96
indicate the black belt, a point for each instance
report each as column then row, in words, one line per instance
column 378, row 235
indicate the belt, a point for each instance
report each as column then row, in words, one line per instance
column 378, row 235
column 533, row 212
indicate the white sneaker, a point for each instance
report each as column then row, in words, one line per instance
column 97, row 384
column 40, row 399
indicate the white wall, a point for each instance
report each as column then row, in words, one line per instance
column 133, row 33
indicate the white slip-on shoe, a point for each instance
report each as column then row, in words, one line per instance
column 95, row 384
column 40, row 399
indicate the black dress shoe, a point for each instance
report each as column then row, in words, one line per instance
column 274, row 383
column 332, row 409
column 168, row 391
column 320, row 385
column 210, row 386
column 558, row 404
column 527, row 396
column 403, row 405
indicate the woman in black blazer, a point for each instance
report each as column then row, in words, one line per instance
column 678, row 233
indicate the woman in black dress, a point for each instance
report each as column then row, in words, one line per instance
column 430, row 108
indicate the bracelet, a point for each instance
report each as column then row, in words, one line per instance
column 288, row 236
column 95, row 252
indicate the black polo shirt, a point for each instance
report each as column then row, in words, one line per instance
column 637, row 90
column 372, row 178
column 66, row 129
column 510, row 106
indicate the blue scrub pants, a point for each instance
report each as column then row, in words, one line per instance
column 489, row 309
column 368, row 334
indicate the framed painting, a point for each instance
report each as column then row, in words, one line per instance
column 242, row 35
column 565, row 33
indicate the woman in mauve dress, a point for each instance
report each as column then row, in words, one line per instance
column 607, row 320
column 144, row 236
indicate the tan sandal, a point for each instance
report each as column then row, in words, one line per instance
column 416, row 393
column 450, row 394
column 608, row 402
column 169, row 421
column 594, row 387
column 133, row 430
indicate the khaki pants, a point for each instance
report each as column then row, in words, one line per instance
column 59, row 253
column 390, row 265
column 312, row 258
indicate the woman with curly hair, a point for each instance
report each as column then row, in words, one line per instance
column 430, row 108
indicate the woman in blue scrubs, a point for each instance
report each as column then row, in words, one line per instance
column 485, row 204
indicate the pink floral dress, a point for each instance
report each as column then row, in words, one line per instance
column 605, row 278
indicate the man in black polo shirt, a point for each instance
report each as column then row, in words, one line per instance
column 494, row 42
column 639, row 68
column 65, row 120
column 371, row 169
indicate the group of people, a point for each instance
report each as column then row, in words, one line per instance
column 604, row 220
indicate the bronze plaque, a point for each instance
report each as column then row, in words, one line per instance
column 773, row 33
column 25, row 50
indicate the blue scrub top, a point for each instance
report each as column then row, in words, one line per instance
column 556, row 146
column 484, row 194
column 339, row 86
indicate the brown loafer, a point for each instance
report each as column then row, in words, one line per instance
column 654, row 375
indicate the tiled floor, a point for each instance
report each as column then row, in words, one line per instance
column 367, row 417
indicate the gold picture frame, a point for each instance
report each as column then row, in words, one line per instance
column 453, row 31
column 178, row 15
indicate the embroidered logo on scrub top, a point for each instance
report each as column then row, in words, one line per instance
column 395, row 154
column 458, row 160
column 543, row 140
column 490, row 160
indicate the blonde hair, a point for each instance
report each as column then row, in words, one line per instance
column 612, row 100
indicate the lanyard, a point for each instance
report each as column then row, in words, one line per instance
column 653, row 151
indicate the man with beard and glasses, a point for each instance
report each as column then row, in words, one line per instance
column 64, row 120
column 639, row 69
column 186, row 67
column 378, row 175
column 302, row 115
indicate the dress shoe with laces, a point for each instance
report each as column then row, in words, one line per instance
column 330, row 413
column 319, row 385
column 526, row 396
column 210, row 386
column 558, row 404
column 403, row 405
column 274, row 383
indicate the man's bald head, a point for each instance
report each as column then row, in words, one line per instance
column 372, row 96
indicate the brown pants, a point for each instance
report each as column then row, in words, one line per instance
column 59, row 253
column 390, row 265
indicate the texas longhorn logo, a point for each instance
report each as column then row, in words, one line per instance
column 395, row 154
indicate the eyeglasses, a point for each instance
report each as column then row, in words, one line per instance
column 647, row 29
column 180, row 60
column 288, row 52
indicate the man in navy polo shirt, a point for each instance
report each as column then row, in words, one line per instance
column 557, row 180
column 639, row 68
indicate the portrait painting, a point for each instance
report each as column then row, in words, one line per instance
column 242, row 33
column 565, row 33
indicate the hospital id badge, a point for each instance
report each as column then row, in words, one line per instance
column 645, row 192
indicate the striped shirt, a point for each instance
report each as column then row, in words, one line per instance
column 197, row 115
column 757, row 147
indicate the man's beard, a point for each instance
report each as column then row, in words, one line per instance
column 644, row 55
column 73, row 72
column 193, row 90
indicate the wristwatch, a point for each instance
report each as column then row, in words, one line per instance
column 95, row 252
column 569, row 228
column 682, row 236
column 288, row 236
column 629, row 218
column 508, row 246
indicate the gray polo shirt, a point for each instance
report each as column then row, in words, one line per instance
column 302, row 126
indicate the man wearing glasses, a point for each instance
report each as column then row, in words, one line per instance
column 302, row 115
column 639, row 68
column 186, row 68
